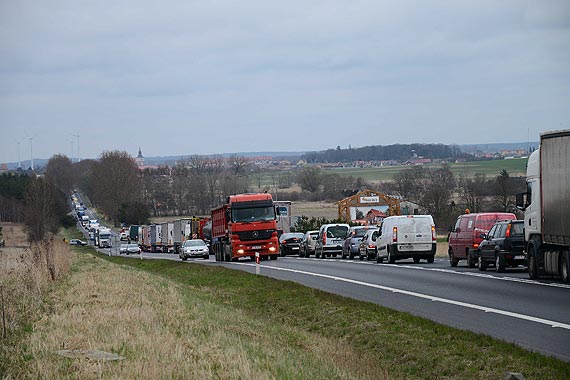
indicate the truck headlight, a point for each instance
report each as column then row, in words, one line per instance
column 271, row 249
column 240, row 251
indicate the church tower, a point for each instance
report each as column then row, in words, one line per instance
column 140, row 159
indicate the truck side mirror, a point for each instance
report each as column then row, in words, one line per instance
column 521, row 201
column 277, row 210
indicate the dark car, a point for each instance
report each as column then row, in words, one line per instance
column 503, row 246
column 352, row 241
column 290, row 243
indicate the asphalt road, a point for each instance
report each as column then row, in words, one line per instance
column 507, row 306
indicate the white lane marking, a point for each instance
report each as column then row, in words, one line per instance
column 421, row 295
column 441, row 270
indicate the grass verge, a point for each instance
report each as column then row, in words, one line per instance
column 173, row 320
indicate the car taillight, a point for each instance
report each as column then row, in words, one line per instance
column 433, row 238
column 508, row 233
column 324, row 239
column 394, row 234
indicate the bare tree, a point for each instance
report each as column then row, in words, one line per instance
column 438, row 191
column 115, row 180
column 471, row 191
column 411, row 183
column 40, row 215
column 238, row 164
column 310, row 178
column 59, row 170
column 504, row 193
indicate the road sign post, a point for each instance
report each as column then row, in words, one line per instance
column 257, row 259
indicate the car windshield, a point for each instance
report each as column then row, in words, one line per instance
column 194, row 243
column 255, row 214
column 133, row 246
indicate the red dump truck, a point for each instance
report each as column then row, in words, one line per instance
column 245, row 225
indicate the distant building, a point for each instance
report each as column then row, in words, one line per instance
column 140, row 162
column 140, row 159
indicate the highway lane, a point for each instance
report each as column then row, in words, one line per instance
column 507, row 306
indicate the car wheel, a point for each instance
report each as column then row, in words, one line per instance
column 379, row 259
column 416, row 260
column 499, row 263
column 481, row 264
column 452, row 260
column 430, row 259
column 361, row 257
column 470, row 261
column 391, row 258
column 350, row 256
column 206, row 257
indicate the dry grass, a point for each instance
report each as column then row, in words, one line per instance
column 165, row 331
column 27, row 274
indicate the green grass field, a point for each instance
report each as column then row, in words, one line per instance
column 515, row 168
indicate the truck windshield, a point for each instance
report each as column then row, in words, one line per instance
column 254, row 214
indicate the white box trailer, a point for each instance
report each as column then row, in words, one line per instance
column 168, row 236
column 547, row 207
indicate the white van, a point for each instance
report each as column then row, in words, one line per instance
column 330, row 240
column 409, row 236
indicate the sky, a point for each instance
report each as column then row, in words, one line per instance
column 206, row 77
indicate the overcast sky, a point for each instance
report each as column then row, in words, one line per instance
column 202, row 77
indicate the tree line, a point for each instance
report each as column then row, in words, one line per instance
column 123, row 193
column 397, row 152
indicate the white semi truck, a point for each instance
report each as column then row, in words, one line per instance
column 546, row 204
column 103, row 237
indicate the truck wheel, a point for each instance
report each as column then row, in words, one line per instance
column 532, row 264
column 452, row 260
column 565, row 262
column 416, row 259
column 499, row 263
column 273, row 257
column 430, row 259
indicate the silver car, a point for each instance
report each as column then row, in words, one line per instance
column 309, row 243
column 194, row 248
column 123, row 249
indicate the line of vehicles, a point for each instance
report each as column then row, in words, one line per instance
column 247, row 225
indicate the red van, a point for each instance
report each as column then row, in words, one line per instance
column 465, row 236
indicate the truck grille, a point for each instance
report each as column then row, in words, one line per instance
column 251, row 235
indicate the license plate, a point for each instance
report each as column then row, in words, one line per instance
column 256, row 247
column 519, row 257
column 294, row 248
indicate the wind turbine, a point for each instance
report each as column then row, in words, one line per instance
column 78, row 158
column 31, row 139
column 19, row 160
